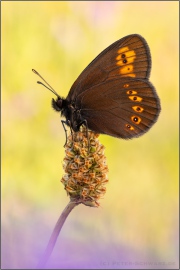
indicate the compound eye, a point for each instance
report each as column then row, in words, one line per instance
column 57, row 104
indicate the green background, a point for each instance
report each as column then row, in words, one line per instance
column 136, row 225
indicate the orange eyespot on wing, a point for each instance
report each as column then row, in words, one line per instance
column 128, row 126
column 135, row 98
column 136, row 119
column 138, row 109
column 125, row 55
column 131, row 92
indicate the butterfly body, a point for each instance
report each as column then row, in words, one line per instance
column 113, row 94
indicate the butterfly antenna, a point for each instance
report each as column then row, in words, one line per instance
column 50, row 87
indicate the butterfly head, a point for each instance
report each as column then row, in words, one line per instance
column 59, row 104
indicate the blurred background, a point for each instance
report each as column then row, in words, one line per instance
column 136, row 225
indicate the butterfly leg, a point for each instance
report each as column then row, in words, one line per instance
column 65, row 130
column 69, row 123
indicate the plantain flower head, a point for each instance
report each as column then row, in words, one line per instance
column 85, row 168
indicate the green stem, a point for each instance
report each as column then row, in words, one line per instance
column 52, row 241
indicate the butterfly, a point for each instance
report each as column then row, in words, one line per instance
column 113, row 94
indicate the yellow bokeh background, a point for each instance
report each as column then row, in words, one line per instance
column 136, row 225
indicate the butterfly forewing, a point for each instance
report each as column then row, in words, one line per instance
column 127, row 57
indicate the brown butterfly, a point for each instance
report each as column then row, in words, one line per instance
column 113, row 94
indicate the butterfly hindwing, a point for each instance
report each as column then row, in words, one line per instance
column 123, row 108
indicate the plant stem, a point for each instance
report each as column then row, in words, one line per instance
column 55, row 233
